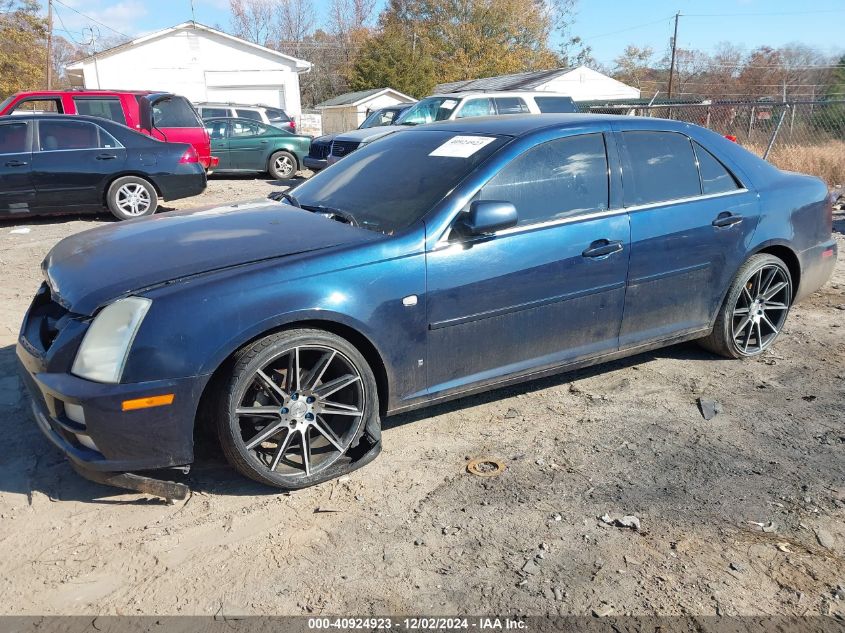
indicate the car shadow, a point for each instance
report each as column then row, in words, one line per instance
column 839, row 221
column 55, row 218
column 682, row 351
column 35, row 467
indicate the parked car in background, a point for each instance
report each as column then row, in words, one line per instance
column 244, row 145
column 162, row 115
column 52, row 163
column 443, row 261
column 459, row 105
column 261, row 113
column 321, row 146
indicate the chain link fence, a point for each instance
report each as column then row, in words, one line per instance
column 805, row 136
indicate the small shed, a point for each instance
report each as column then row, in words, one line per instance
column 580, row 83
column 347, row 111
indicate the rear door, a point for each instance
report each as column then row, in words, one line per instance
column 248, row 145
column 71, row 162
column 691, row 221
column 17, row 192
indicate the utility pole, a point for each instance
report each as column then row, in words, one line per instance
column 672, row 64
column 49, row 44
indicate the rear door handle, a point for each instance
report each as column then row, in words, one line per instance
column 106, row 156
column 603, row 248
column 726, row 218
column 17, row 163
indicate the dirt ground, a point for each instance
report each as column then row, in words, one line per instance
column 742, row 514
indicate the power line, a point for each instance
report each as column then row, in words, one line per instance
column 760, row 14
column 630, row 28
column 88, row 17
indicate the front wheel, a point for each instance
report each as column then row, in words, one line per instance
column 282, row 165
column 131, row 197
column 755, row 309
column 299, row 407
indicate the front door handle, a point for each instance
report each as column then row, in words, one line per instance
column 602, row 248
column 17, row 163
column 106, row 156
column 726, row 218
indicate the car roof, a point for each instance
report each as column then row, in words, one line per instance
column 85, row 91
column 497, row 93
column 41, row 116
column 522, row 124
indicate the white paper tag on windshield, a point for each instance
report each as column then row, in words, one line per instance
column 462, row 146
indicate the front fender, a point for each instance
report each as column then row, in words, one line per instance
column 195, row 324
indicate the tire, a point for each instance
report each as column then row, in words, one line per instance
column 131, row 197
column 754, row 311
column 315, row 418
column 282, row 165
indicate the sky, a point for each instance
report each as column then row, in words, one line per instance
column 605, row 25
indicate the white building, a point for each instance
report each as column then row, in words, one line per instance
column 197, row 62
column 581, row 83
column 347, row 111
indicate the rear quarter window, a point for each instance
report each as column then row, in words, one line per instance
column 174, row 112
column 551, row 105
column 715, row 177
column 213, row 113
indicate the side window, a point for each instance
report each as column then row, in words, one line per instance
column 13, row 138
column 511, row 105
column 213, row 113
column 554, row 180
column 548, row 105
column 715, row 178
column 65, row 135
column 476, row 107
column 216, row 130
column 241, row 129
column 662, row 168
column 105, row 108
column 255, row 115
column 41, row 105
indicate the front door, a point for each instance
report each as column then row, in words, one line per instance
column 545, row 292
column 218, row 132
column 691, row 219
column 71, row 163
column 17, row 193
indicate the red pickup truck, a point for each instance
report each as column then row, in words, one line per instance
column 162, row 115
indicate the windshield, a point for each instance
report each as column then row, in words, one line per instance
column 429, row 110
column 391, row 183
column 6, row 102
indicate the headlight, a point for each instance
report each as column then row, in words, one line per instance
column 106, row 344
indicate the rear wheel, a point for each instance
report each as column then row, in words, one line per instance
column 131, row 197
column 295, row 407
column 282, row 165
column 755, row 310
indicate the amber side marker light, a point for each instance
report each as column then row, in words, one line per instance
column 827, row 253
column 146, row 403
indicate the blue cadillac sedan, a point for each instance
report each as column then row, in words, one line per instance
column 445, row 260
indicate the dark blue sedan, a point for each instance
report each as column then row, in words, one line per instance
column 446, row 260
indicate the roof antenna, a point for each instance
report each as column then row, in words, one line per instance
column 193, row 14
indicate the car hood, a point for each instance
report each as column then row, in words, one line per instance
column 89, row 269
column 370, row 133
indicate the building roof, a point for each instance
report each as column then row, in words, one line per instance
column 517, row 81
column 362, row 96
column 300, row 64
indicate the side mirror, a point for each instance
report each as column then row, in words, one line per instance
column 487, row 216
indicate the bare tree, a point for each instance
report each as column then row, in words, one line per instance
column 255, row 20
column 296, row 22
column 632, row 66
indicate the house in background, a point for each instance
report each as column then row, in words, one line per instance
column 347, row 111
column 581, row 83
column 197, row 62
